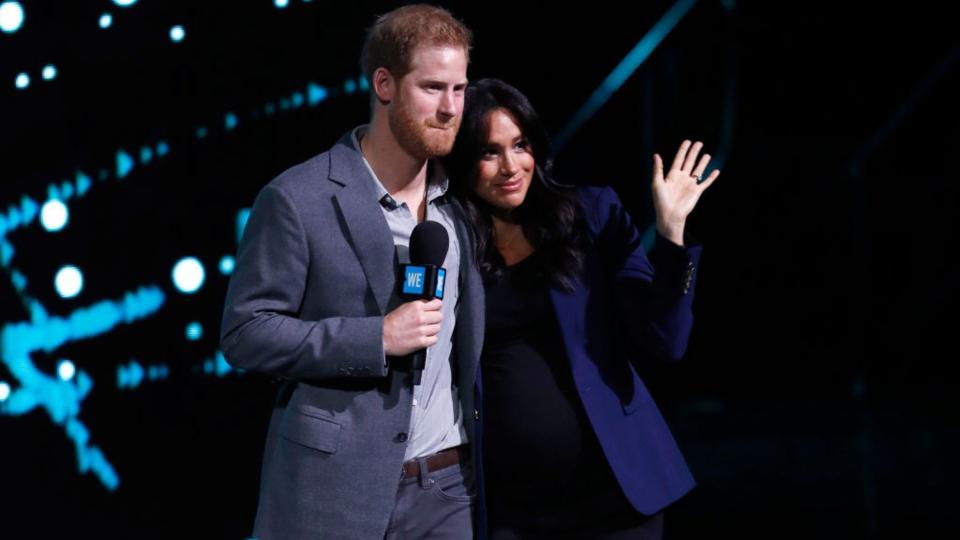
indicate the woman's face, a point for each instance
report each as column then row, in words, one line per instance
column 506, row 165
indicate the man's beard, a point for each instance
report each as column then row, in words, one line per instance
column 421, row 140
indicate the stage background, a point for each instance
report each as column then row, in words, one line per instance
column 817, row 398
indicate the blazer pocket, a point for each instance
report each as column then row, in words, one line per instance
column 310, row 431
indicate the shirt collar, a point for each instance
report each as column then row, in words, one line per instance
column 437, row 184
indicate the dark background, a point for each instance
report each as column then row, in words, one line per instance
column 816, row 397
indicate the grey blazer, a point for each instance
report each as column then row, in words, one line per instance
column 314, row 278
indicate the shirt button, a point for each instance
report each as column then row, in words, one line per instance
column 476, row 414
column 401, row 437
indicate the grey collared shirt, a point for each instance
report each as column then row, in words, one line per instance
column 437, row 419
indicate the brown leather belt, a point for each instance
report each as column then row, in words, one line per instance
column 440, row 460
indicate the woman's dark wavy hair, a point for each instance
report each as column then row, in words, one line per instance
column 550, row 215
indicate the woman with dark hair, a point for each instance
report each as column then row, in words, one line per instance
column 572, row 444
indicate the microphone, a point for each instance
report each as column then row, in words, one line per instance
column 424, row 278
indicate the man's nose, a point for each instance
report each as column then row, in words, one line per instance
column 448, row 104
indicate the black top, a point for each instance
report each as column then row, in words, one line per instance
column 543, row 464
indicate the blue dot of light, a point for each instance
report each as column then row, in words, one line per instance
column 69, row 281
column 11, row 17
column 66, row 370
column 194, row 331
column 226, row 265
column 54, row 215
column 188, row 275
column 177, row 33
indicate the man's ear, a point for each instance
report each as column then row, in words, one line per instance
column 384, row 85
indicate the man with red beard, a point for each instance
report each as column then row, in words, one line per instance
column 354, row 448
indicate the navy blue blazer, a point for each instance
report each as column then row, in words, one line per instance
column 621, row 314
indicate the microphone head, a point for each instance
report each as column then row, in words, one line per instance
column 428, row 244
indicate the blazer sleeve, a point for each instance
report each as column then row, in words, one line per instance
column 261, row 330
column 654, row 294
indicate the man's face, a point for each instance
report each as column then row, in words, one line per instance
column 427, row 108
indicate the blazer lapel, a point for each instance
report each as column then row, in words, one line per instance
column 367, row 228
column 470, row 312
